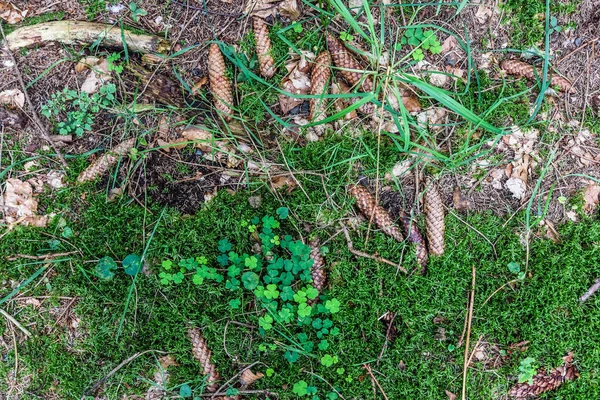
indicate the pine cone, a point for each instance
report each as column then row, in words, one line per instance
column 367, row 205
column 544, row 382
column 414, row 236
column 434, row 220
column 105, row 162
column 519, row 68
column 340, row 104
column 319, row 82
column 202, row 354
column 349, row 68
column 220, row 85
column 318, row 272
column 263, row 47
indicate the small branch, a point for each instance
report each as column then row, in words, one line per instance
column 42, row 257
column 470, row 320
column 365, row 255
column 593, row 289
column 15, row 322
column 373, row 379
column 44, row 133
column 223, row 386
column 263, row 392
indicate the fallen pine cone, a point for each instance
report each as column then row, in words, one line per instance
column 367, row 205
column 434, row 220
column 544, row 382
column 220, row 85
column 202, row 355
column 349, row 70
column 105, row 162
column 319, row 275
column 263, row 47
column 519, row 68
column 414, row 236
column 319, row 82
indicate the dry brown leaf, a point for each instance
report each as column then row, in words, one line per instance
column 261, row 8
column 10, row 13
column 97, row 77
column 551, row 232
column 451, row 396
column 19, row 205
column 168, row 361
column 484, row 13
column 460, row 202
column 591, row 197
column 284, row 181
column 214, row 149
column 449, row 44
column 411, row 101
column 289, row 9
column 12, row 98
column 199, row 85
column 248, row 377
column 296, row 82
column 85, row 63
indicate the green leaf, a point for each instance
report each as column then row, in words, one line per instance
column 188, row 263
column 235, row 303
column 283, row 212
column 287, row 293
column 317, row 323
column 291, row 356
column 332, row 305
column 323, row 345
column 304, row 310
column 232, row 392
column 269, row 372
column 553, row 21
column 233, row 271
column 300, row 388
column 167, row 264
column 328, row 360
column 201, row 260
column 232, row 284
column 251, row 262
column 67, row 232
column 271, row 292
column 105, row 267
column 514, row 267
column 266, row 322
column 250, row 280
column 286, row 315
column 178, row 277
column 197, row 279
column 224, row 246
column 311, row 293
column 132, row 264
column 413, row 41
column 185, row 390
column 332, row 396
column 409, row 33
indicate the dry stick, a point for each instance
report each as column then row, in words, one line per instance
column 387, row 335
column 373, row 379
column 99, row 382
column 470, row 319
column 472, row 227
column 42, row 257
column 578, row 49
column 593, row 289
column 263, row 392
column 36, row 118
column 365, row 255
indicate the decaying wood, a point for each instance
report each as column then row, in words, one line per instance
column 365, row 201
column 220, row 85
column 319, row 82
column 519, row 68
column 84, row 33
column 105, row 162
column 434, row 220
column 350, row 70
column 263, row 47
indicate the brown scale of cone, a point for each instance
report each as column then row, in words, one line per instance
column 434, row 220
column 367, row 205
column 545, row 382
column 414, row 236
column 319, row 82
column 202, row 355
column 220, row 86
column 519, row 68
column 263, row 47
column 105, row 162
column 318, row 272
column 348, row 69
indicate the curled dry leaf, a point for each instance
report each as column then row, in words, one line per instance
column 261, row 8
column 449, row 44
column 521, row 69
column 289, row 9
column 10, row 13
column 366, row 203
column 433, row 118
column 97, row 77
column 215, row 150
column 591, row 197
column 484, row 13
column 263, row 47
column 19, row 205
column 105, row 161
column 297, row 81
column 197, row 87
column 85, row 63
column 220, row 85
column 451, row 396
column 546, row 381
column 12, row 98
column 248, row 377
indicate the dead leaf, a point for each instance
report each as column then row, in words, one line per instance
column 411, row 101
column 261, row 8
column 248, row 377
column 432, row 118
column 85, row 63
column 572, row 215
column 34, row 302
column 19, row 205
column 289, row 9
column 12, row 98
column 449, row 44
column 451, row 396
column 215, row 150
column 297, row 80
column 281, row 181
column 551, row 232
column 591, row 198
column 97, row 77
column 460, row 202
column 199, row 85
column 10, row 13
column 167, row 361
column 484, row 13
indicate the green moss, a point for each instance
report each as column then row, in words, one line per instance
column 28, row 21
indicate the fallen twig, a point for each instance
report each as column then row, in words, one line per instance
column 373, row 379
column 470, row 320
column 15, row 322
column 36, row 118
column 593, row 289
column 42, row 257
column 365, row 255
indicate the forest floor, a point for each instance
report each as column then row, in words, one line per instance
column 207, row 221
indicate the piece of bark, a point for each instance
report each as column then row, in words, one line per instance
column 367, row 205
column 105, row 162
column 220, row 85
column 349, row 69
column 519, row 68
column 263, row 47
column 414, row 236
column 319, row 82
column 434, row 220
column 84, row 33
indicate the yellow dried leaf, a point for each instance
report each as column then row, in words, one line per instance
column 10, row 13
column 12, row 98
